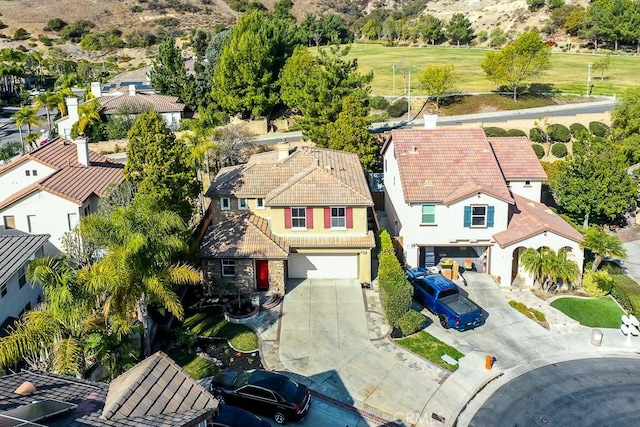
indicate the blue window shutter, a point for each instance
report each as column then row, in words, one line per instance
column 490, row 213
column 467, row 216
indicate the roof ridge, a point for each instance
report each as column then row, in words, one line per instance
column 286, row 184
column 344, row 184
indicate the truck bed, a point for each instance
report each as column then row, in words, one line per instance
column 460, row 305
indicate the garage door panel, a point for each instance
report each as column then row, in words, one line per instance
column 321, row 266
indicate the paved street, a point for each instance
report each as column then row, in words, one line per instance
column 591, row 392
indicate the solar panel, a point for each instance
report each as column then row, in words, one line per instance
column 12, row 422
column 38, row 410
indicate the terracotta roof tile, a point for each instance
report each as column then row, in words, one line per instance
column 346, row 241
column 244, row 236
column 517, row 159
column 529, row 218
column 435, row 163
column 317, row 168
column 140, row 102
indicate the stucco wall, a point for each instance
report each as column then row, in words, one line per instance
column 532, row 191
column 16, row 178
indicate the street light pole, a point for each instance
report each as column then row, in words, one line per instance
column 409, row 109
column 393, row 70
column 589, row 79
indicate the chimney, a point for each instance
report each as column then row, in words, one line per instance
column 96, row 89
column 72, row 110
column 430, row 121
column 132, row 90
column 283, row 149
column 83, row 150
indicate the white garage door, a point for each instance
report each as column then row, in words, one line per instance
column 317, row 266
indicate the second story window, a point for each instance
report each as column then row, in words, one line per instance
column 428, row 214
column 242, row 204
column 27, row 172
column 225, row 203
column 9, row 221
column 298, row 218
column 338, row 218
column 478, row 216
column 259, row 203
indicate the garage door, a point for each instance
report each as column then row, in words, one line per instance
column 319, row 266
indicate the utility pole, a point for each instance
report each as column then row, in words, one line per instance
column 589, row 79
column 393, row 70
column 409, row 110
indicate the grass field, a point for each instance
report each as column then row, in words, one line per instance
column 602, row 313
column 211, row 323
column 431, row 348
column 568, row 71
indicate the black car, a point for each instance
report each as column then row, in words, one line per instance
column 263, row 392
column 230, row 416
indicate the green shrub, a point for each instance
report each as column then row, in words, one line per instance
column 598, row 129
column 598, row 284
column 627, row 292
column 516, row 132
column 538, row 149
column 411, row 322
column 55, row 24
column 379, row 103
column 398, row 108
column 559, row 150
column 559, row 133
column 610, row 267
column 578, row 129
column 538, row 135
column 531, row 313
column 495, row 132
column 395, row 290
column 21, row 34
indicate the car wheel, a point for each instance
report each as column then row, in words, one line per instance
column 443, row 321
column 279, row 418
column 220, row 400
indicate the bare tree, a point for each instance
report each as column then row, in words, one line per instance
column 233, row 145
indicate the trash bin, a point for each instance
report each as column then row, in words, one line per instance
column 596, row 337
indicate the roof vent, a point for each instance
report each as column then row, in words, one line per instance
column 414, row 149
column 428, row 183
column 25, row 389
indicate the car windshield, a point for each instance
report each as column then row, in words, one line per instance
column 448, row 292
column 242, row 379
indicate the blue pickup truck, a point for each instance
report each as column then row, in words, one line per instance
column 443, row 298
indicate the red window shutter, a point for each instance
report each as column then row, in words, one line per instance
column 327, row 217
column 349, row 217
column 287, row 218
column 309, row 218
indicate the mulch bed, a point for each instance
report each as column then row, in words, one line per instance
column 226, row 358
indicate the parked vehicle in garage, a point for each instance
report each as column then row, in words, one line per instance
column 263, row 392
column 442, row 297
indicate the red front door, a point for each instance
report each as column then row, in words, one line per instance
column 262, row 275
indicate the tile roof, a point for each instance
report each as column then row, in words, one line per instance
column 71, row 180
column 529, row 218
column 16, row 249
column 435, row 164
column 111, row 104
column 155, row 386
column 345, row 241
column 517, row 159
column 91, row 397
column 244, row 236
column 297, row 178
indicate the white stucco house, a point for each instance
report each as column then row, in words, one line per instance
column 456, row 194
column 17, row 295
column 49, row 189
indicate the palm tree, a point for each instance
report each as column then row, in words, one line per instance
column 48, row 101
column 50, row 337
column 548, row 266
column 532, row 261
column 89, row 113
column 602, row 245
column 141, row 246
column 25, row 115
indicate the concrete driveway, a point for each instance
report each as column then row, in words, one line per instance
column 324, row 336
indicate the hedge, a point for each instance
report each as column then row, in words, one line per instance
column 559, row 150
column 495, row 132
column 598, row 128
column 538, row 149
column 598, row 284
column 398, row 108
column 627, row 292
column 516, row 132
column 396, row 292
column 578, row 129
column 537, row 135
column 411, row 322
column 559, row 133
column 379, row 102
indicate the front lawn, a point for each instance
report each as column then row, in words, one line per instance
column 597, row 313
column 196, row 366
column 210, row 322
column 431, row 348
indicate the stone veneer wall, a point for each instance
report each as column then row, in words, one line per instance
column 245, row 275
column 277, row 276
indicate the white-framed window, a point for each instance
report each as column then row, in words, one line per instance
column 478, row 216
column 298, row 217
column 31, row 223
column 72, row 220
column 228, row 268
column 242, row 204
column 429, row 214
column 34, row 172
column 527, row 183
column 9, row 221
column 225, row 203
column 259, row 203
column 27, row 172
column 338, row 218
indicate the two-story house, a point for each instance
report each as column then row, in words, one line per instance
column 17, row 295
column 456, row 194
column 289, row 213
column 49, row 189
